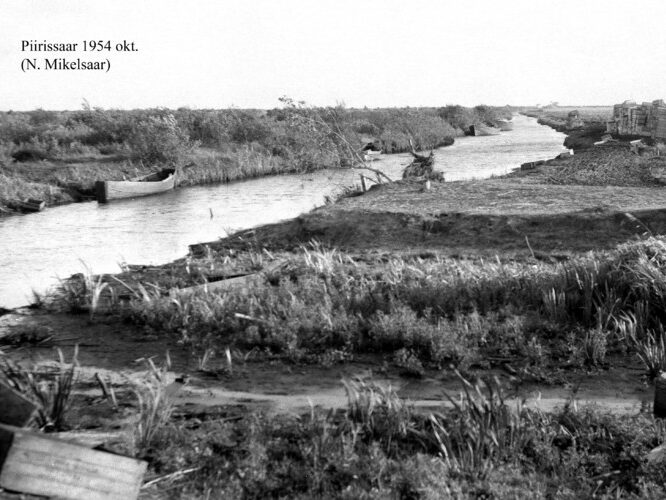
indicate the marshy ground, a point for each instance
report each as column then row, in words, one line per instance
column 480, row 339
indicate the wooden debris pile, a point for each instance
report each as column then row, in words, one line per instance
column 646, row 119
column 38, row 464
column 421, row 167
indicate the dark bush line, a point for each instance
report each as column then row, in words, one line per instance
column 162, row 135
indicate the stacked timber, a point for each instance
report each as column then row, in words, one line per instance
column 479, row 130
column 658, row 121
column 647, row 119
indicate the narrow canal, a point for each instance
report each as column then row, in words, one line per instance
column 37, row 249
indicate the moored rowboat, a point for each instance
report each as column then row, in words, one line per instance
column 481, row 130
column 155, row 183
column 505, row 125
column 372, row 155
column 30, row 205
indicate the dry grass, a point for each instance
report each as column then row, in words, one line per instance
column 499, row 197
column 587, row 113
column 155, row 406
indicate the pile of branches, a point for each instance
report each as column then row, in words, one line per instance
column 421, row 167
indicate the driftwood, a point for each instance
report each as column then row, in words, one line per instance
column 421, row 166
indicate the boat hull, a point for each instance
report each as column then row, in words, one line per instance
column 31, row 205
column 372, row 155
column 144, row 186
column 481, row 130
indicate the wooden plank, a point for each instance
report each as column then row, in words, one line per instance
column 15, row 409
column 237, row 284
column 41, row 465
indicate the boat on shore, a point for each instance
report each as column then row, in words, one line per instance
column 155, row 183
column 481, row 130
column 28, row 206
column 505, row 125
column 371, row 155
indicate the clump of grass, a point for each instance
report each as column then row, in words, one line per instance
column 589, row 347
column 482, row 431
column 379, row 411
column 319, row 258
column 409, row 363
column 155, row 406
column 81, row 292
column 554, row 305
column 48, row 386
column 650, row 349
column 431, row 339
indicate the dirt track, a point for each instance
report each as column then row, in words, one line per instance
column 114, row 351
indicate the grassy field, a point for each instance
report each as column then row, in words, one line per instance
column 589, row 114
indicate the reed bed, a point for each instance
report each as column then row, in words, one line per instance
column 439, row 311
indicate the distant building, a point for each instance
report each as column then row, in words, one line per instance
column 647, row 119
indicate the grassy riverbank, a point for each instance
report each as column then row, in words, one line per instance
column 550, row 278
column 58, row 156
column 416, row 314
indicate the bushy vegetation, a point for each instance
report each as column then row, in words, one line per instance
column 423, row 312
column 73, row 149
column 381, row 447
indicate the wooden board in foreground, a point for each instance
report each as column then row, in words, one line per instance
column 15, row 409
column 41, row 465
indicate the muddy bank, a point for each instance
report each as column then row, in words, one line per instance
column 475, row 217
column 117, row 352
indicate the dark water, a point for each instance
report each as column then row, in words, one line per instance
column 36, row 249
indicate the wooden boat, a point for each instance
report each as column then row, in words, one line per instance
column 158, row 182
column 505, row 125
column 480, row 130
column 372, row 155
column 30, row 205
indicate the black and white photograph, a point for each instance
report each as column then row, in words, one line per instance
column 371, row 249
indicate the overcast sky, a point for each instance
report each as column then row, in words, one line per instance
column 248, row 53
